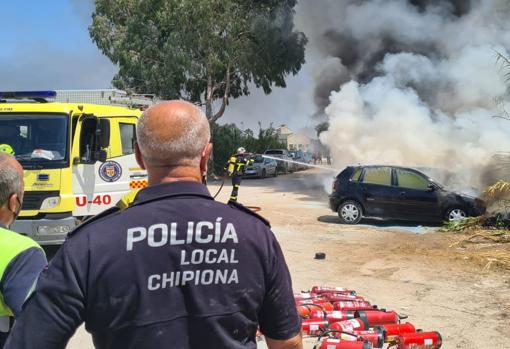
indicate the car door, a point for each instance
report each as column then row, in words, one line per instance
column 270, row 166
column 377, row 192
column 98, row 185
column 416, row 199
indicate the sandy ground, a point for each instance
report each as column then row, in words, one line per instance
column 389, row 263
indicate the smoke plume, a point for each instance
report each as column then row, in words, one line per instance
column 412, row 82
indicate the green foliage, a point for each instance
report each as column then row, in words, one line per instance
column 199, row 50
column 227, row 138
column 468, row 223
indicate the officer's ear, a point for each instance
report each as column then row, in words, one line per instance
column 13, row 203
column 204, row 159
column 138, row 155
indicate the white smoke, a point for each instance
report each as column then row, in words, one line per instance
column 430, row 109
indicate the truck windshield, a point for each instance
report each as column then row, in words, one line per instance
column 36, row 140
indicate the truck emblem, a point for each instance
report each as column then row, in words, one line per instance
column 110, row 171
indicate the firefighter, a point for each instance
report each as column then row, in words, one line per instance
column 235, row 168
column 21, row 258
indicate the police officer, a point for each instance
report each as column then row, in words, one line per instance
column 175, row 269
column 235, row 168
column 21, row 258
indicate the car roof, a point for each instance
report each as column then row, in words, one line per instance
column 390, row 166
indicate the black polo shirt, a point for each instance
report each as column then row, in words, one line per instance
column 175, row 270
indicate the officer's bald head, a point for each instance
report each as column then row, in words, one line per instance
column 173, row 134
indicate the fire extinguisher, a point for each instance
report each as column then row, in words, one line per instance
column 312, row 301
column 353, row 306
column 304, row 296
column 333, row 316
column 349, row 326
column 375, row 337
column 420, row 340
column 327, row 289
column 392, row 331
column 304, row 310
column 335, row 343
column 378, row 317
column 335, row 297
column 313, row 327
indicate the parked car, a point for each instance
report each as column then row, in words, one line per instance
column 397, row 193
column 283, row 166
column 299, row 156
column 261, row 168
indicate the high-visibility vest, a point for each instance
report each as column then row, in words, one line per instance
column 11, row 245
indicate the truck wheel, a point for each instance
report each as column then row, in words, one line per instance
column 350, row 212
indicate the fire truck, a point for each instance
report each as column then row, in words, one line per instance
column 78, row 158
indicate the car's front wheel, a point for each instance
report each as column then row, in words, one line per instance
column 350, row 212
column 456, row 214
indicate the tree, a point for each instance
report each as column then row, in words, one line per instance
column 204, row 51
column 227, row 138
column 323, row 126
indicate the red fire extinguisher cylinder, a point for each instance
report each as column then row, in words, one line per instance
column 420, row 340
column 378, row 317
column 335, row 343
column 349, row 326
column 353, row 306
column 392, row 331
column 313, row 327
column 327, row 289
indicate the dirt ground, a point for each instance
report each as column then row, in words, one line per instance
column 403, row 267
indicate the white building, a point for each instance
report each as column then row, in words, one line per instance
column 294, row 141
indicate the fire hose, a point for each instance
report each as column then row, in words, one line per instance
column 223, row 179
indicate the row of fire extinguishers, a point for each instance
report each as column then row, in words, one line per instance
column 341, row 319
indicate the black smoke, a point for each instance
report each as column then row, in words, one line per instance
column 361, row 58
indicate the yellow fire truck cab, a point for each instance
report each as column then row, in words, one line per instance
column 78, row 159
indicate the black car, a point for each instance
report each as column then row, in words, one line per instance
column 397, row 193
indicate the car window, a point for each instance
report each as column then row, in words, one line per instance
column 408, row 179
column 356, row 175
column 127, row 138
column 274, row 152
column 377, row 175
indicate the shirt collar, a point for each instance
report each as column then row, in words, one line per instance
column 173, row 189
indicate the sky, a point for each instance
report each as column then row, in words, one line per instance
column 46, row 45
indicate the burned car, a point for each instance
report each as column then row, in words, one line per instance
column 391, row 192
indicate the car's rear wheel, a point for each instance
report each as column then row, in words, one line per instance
column 350, row 212
column 456, row 214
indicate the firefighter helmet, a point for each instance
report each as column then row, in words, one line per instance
column 241, row 150
column 6, row 148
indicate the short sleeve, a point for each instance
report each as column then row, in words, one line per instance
column 20, row 276
column 278, row 318
column 54, row 311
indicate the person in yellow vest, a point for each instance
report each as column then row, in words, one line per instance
column 21, row 258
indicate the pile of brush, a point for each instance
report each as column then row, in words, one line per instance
column 497, row 198
column 341, row 319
